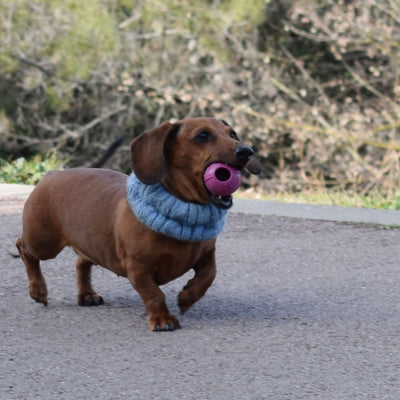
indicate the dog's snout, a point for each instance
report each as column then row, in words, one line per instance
column 243, row 153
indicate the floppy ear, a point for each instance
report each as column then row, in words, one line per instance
column 254, row 167
column 148, row 153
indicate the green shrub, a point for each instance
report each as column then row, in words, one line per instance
column 28, row 172
column 312, row 85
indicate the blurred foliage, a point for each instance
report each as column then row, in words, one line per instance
column 28, row 172
column 314, row 86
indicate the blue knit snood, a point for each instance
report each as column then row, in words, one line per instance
column 164, row 213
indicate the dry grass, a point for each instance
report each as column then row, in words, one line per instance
column 327, row 197
column 314, row 86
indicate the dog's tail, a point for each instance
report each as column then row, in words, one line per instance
column 108, row 153
column 13, row 255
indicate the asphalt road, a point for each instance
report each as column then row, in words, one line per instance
column 300, row 309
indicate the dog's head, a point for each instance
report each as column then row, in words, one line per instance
column 178, row 154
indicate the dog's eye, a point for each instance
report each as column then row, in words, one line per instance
column 233, row 135
column 203, row 137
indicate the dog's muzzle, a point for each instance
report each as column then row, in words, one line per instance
column 243, row 155
column 223, row 200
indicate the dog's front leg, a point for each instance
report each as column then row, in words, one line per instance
column 160, row 318
column 205, row 271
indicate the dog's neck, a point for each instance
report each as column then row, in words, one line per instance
column 164, row 213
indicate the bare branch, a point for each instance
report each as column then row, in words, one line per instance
column 33, row 64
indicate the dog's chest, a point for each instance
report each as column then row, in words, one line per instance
column 173, row 262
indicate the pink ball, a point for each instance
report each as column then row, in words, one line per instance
column 222, row 179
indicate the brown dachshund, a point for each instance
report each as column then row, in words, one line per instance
column 91, row 210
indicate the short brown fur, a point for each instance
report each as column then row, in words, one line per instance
column 88, row 210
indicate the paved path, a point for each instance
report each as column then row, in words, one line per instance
column 300, row 309
column 319, row 212
column 307, row 211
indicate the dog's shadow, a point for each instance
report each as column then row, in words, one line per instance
column 230, row 308
column 218, row 308
column 229, row 304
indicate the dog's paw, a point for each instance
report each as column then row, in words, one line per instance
column 185, row 301
column 164, row 323
column 90, row 299
column 38, row 292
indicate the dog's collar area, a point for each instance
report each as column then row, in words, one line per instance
column 164, row 213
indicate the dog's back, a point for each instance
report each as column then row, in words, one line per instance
column 88, row 192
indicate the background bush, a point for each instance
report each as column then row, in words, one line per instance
column 312, row 85
column 28, row 172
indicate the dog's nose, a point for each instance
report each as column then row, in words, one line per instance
column 243, row 154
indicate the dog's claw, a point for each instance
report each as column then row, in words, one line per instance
column 98, row 301
column 169, row 326
column 90, row 299
column 41, row 301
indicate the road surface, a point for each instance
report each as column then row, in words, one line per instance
column 300, row 309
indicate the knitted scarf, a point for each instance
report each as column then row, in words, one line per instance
column 164, row 213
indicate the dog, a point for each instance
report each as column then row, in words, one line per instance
column 150, row 227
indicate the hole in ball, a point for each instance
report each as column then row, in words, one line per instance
column 222, row 174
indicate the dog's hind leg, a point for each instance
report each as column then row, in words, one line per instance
column 86, row 295
column 37, row 284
